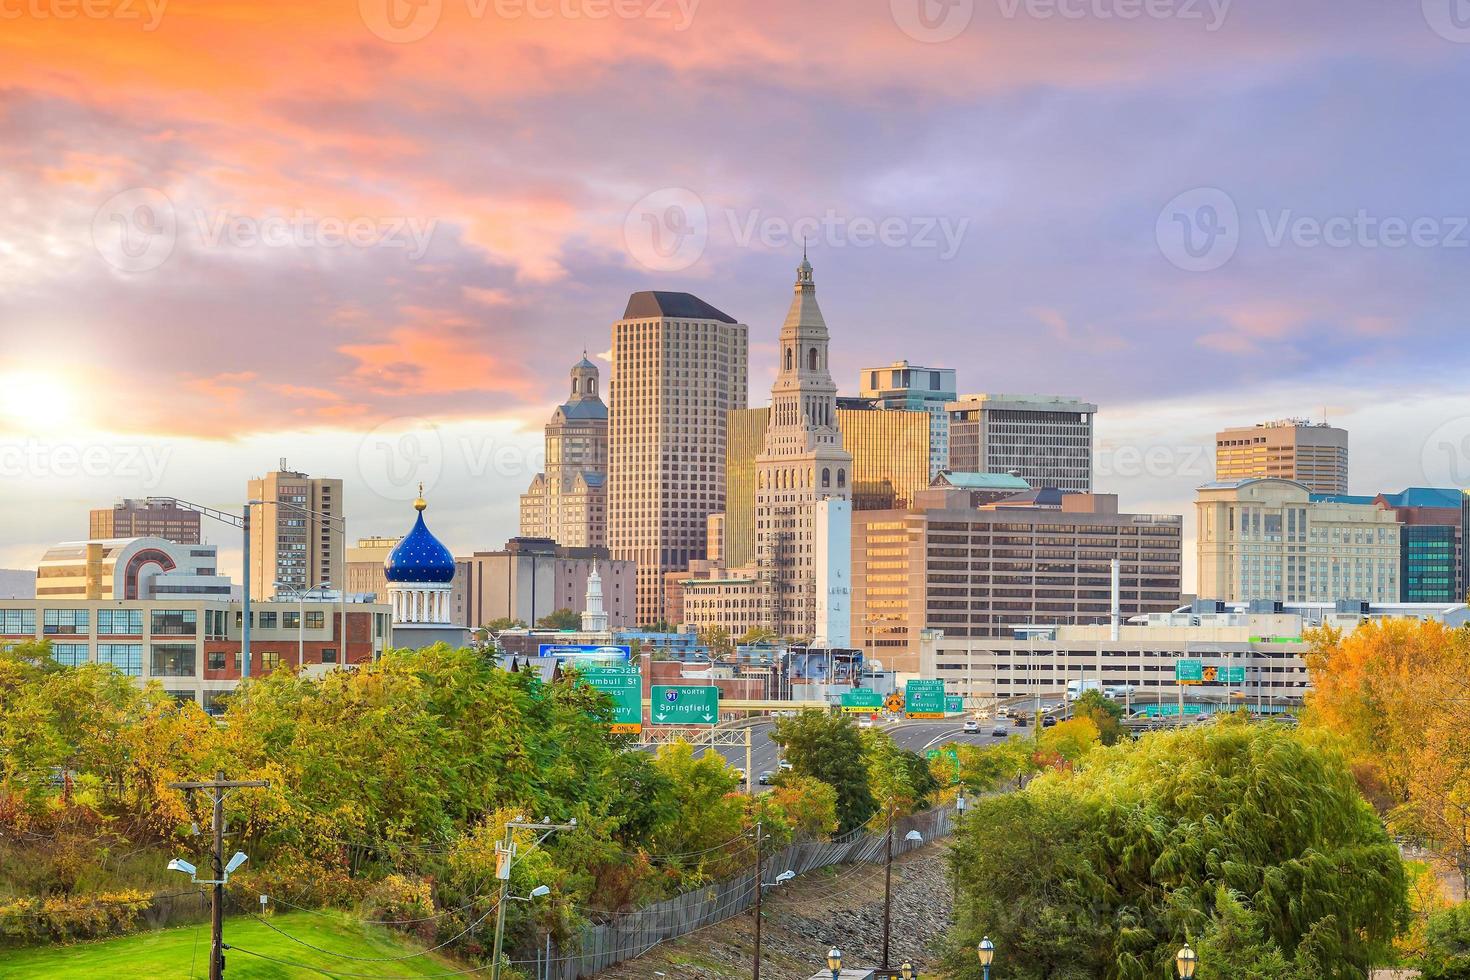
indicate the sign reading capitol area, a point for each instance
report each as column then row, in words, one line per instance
column 624, row 684
column 924, row 699
column 684, row 704
column 585, row 651
column 860, row 700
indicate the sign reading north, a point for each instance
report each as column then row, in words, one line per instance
column 924, row 699
column 684, row 704
column 624, row 685
column 585, row 651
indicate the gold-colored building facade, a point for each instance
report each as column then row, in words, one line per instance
column 890, row 463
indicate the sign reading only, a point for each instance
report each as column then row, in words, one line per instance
column 684, row 704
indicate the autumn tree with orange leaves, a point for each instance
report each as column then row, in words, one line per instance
column 1398, row 693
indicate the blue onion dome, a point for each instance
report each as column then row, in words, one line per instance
column 419, row 557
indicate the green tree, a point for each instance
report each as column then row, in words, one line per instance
column 1103, row 870
column 702, row 809
column 560, row 619
column 504, row 623
column 1447, row 944
column 1103, row 712
column 756, row 635
column 717, row 639
column 829, row 748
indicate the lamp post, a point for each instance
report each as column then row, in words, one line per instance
column 986, row 952
column 300, row 620
column 834, row 962
column 1185, row 961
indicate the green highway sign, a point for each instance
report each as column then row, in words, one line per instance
column 684, row 704
column 953, row 704
column 1157, row 710
column 1234, row 675
column 862, row 699
column 924, row 699
column 625, row 687
column 1189, row 671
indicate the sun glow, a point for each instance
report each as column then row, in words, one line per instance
column 37, row 401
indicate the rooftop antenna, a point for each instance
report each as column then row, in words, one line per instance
column 803, row 248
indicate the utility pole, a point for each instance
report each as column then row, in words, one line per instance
column 506, row 853
column 887, row 883
column 217, row 788
column 760, row 886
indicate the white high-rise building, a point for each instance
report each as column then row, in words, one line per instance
column 594, row 617
column 679, row 365
column 803, row 462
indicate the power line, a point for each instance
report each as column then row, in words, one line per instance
column 379, row 959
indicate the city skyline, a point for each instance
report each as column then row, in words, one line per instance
column 493, row 245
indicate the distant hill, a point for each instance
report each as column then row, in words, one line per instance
column 17, row 583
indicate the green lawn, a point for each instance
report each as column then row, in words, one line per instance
column 173, row 953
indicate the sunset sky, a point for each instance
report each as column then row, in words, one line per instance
column 371, row 237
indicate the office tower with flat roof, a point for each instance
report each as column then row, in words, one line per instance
column 906, row 386
column 983, row 570
column 1313, row 453
column 365, row 572
column 1046, row 440
column 297, row 533
column 1275, row 540
column 153, row 517
column 568, row 502
column 679, row 366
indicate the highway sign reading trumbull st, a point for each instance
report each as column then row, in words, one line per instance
column 684, row 704
column 924, row 699
column 624, row 684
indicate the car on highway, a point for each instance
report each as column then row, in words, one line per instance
column 784, row 766
column 1002, row 712
column 865, row 723
column 1021, row 721
column 1049, row 721
column 739, row 773
column 1000, row 731
column 972, row 726
column 765, row 777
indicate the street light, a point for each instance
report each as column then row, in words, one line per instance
column 300, row 619
column 1185, row 961
column 834, row 962
column 986, row 952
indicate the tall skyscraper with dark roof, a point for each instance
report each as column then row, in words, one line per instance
column 568, row 502
column 679, row 365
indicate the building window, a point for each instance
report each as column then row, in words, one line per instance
column 18, row 622
column 64, row 622
column 175, row 622
column 126, row 657
column 119, row 622
column 329, row 655
column 811, row 359
column 841, row 478
column 291, row 620
column 172, row 660
column 826, row 477
column 69, row 654
column 268, row 620
column 270, row 660
column 315, row 620
column 788, row 358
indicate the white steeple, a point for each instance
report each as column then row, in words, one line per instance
column 594, row 618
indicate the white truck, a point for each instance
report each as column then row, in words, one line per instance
column 1075, row 689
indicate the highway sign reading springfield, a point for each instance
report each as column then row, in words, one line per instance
column 684, row 704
